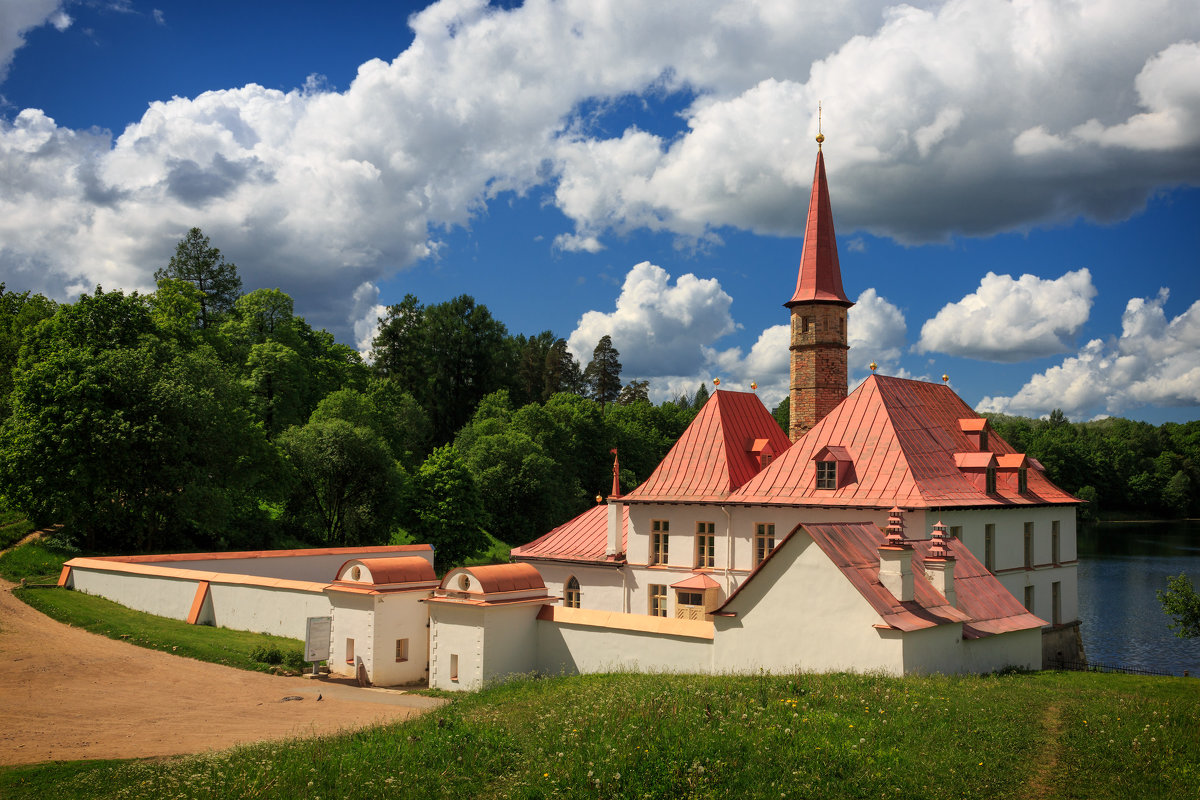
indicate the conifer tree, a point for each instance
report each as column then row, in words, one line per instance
column 603, row 374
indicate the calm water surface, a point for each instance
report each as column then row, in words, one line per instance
column 1121, row 567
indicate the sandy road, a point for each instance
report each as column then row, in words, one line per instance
column 69, row 694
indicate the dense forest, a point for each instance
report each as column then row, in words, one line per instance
column 204, row 417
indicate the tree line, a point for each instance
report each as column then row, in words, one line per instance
column 200, row 416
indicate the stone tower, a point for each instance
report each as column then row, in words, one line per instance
column 819, row 306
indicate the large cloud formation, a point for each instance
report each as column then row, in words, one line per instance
column 1012, row 320
column 1155, row 361
column 1058, row 109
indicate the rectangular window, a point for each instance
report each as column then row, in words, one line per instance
column 1029, row 599
column 349, row 651
column 454, row 666
column 690, row 598
column 956, row 531
column 1055, row 552
column 660, row 533
column 1022, row 480
column 990, row 480
column 402, row 649
column 764, row 541
column 658, row 600
column 827, row 475
column 706, row 545
column 805, row 324
column 989, row 547
column 1028, row 545
column 1056, row 600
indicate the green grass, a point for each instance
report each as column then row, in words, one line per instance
column 239, row 649
column 35, row 562
column 496, row 553
column 13, row 528
column 1060, row 735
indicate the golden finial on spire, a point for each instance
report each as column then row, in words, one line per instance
column 873, row 366
column 945, row 378
column 820, row 136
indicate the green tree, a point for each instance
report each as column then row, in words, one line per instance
column 175, row 309
column 603, row 374
column 19, row 313
column 445, row 508
column 199, row 263
column 783, row 414
column 346, row 484
column 404, row 424
column 562, row 373
column 700, row 397
column 634, row 392
column 275, row 379
column 126, row 438
column 1182, row 604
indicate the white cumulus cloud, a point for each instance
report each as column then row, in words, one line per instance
column 1012, row 319
column 1155, row 361
column 659, row 327
column 18, row 17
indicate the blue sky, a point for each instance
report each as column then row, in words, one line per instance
column 1016, row 187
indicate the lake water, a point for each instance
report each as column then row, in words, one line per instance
column 1121, row 567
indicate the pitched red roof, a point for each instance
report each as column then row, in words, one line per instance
column 584, row 538
column 982, row 603
column 714, row 456
column 820, row 276
column 903, row 436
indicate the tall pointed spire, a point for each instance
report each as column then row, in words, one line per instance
column 819, row 304
column 820, row 275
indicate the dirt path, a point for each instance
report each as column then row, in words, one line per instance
column 69, row 694
column 1046, row 763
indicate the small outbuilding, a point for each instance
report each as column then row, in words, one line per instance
column 379, row 627
column 483, row 624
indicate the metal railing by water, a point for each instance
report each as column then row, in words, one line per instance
column 1092, row 666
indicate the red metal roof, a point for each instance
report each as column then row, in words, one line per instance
column 504, row 577
column 820, row 276
column 982, row 604
column 397, row 569
column 711, row 458
column 697, row 581
column 584, row 538
column 904, row 436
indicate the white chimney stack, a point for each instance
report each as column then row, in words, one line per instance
column 895, row 560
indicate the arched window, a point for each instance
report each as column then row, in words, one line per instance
column 571, row 593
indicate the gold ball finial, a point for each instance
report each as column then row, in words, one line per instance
column 873, row 366
column 820, row 136
column 599, row 499
column 716, row 381
column 753, row 386
column 945, row 378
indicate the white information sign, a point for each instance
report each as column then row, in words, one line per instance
column 316, row 639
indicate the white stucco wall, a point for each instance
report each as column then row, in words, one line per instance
column 400, row 615
column 265, row 609
column 320, row 567
column 164, row 596
column 455, row 630
column 353, row 618
column 800, row 613
column 565, row 648
column 509, row 640
column 600, row 586
column 991, row 653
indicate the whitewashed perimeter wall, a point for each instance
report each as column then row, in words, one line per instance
column 566, row 648
column 161, row 595
column 455, row 630
column 401, row 615
column 262, row 609
column 322, row 567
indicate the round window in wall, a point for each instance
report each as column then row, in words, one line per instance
column 356, row 573
column 464, row 581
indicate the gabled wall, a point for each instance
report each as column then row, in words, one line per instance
column 800, row 613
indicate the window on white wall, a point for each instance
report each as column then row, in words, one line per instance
column 402, row 649
column 1029, row 599
column 1055, row 543
column 764, row 541
column 1028, row 545
column 1056, row 601
column 989, row 547
column 706, row 545
column 658, row 600
column 349, row 651
column 660, row 533
column 571, row 593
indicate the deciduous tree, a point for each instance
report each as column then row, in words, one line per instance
column 1182, row 604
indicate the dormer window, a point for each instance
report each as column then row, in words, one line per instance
column 976, row 429
column 761, row 451
column 835, row 467
column 764, row 460
column 990, row 480
column 827, row 475
column 1022, row 480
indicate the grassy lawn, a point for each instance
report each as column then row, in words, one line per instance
column 34, row 562
column 13, row 528
column 240, row 649
column 1054, row 735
